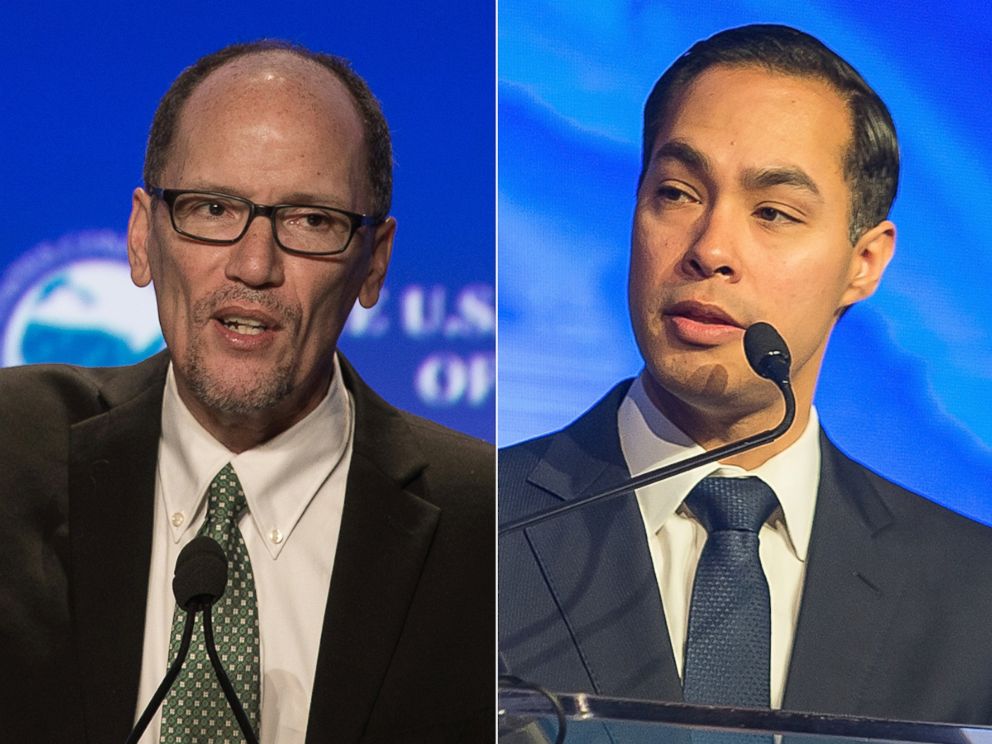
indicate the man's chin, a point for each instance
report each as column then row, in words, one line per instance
column 711, row 389
column 239, row 389
column 243, row 400
column 689, row 377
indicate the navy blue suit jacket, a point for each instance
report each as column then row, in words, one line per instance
column 896, row 612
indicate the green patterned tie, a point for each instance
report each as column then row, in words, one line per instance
column 196, row 711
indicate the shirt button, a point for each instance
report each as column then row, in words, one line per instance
column 177, row 519
column 275, row 536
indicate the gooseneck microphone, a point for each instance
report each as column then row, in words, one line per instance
column 769, row 357
column 199, row 581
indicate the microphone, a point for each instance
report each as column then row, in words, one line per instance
column 201, row 574
column 768, row 355
column 199, row 581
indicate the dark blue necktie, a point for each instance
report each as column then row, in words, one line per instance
column 728, row 646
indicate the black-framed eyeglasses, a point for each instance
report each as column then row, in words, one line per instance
column 308, row 229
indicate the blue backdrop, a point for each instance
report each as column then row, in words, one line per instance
column 80, row 85
column 905, row 383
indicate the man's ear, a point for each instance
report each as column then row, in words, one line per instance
column 382, row 251
column 870, row 256
column 138, row 231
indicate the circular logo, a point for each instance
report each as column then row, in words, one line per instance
column 72, row 301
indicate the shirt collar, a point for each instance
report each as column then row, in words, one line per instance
column 649, row 440
column 279, row 477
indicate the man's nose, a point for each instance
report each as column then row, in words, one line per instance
column 256, row 260
column 714, row 246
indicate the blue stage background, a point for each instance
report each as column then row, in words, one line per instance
column 80, row 85
column 906, row 380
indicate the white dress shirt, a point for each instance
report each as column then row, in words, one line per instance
column 676, row 538
column 294, row 485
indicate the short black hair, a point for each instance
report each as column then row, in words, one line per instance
column 376, row 130
column 871, row 164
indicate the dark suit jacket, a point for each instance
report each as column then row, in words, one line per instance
column 406, row 652
column 896, row 614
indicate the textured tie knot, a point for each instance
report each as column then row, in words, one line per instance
column 739, row 504
column 225, row 502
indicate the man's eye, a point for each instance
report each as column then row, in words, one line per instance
column 316, row 222
column 675, row 195
column 771, row 214
column 315, row 219
column 204, row 209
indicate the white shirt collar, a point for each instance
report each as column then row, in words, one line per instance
column 649, row 440
column 279, row 477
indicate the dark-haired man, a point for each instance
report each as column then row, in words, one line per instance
column 359, row 604
column 787, row 576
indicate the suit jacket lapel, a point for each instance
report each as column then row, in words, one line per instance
column 111, row 497
column 598, row 564
column 386, row 532
column 853, row 581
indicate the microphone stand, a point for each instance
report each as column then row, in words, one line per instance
column 225, row 683
column 667, row 471
column 170, row 677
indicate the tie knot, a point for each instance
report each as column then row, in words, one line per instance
column 225, row 499
column 741, row 504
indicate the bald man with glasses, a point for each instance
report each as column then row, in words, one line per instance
column 360, row 596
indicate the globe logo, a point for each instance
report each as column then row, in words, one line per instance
column 73, row 302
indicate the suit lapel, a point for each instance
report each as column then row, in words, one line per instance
column 386, row 531
column 598, row 566
column 111, row 497
column 853, row 582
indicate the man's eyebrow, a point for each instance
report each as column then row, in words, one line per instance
column 296, row 197
column 306, row 197
column 684, row 153
column 755, row 179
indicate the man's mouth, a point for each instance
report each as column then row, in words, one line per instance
column 701, row 324
column 701, row 312
column 244, row 326
column 244, row 319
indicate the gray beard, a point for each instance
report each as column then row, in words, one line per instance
column 221, row 395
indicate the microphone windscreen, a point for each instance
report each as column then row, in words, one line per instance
column 766, row 351
column 201, row 573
